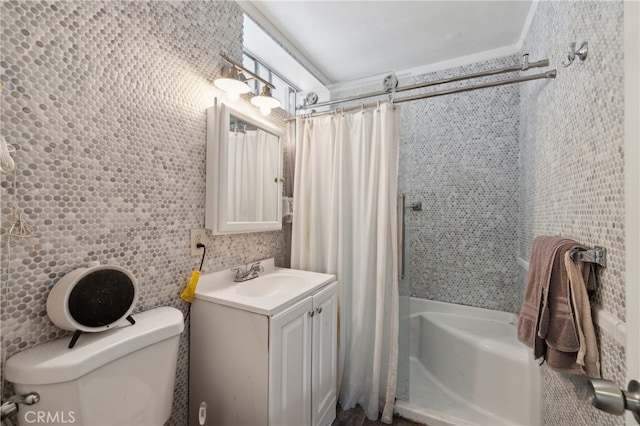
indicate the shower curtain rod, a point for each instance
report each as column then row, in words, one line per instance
column 513, row 68
column 547, row 74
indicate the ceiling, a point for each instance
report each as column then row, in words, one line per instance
column 343, row 41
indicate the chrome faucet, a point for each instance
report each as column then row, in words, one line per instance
column 249, row 274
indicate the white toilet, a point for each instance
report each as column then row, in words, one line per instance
column 123, row 376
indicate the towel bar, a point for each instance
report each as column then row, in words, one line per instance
column 597, row 255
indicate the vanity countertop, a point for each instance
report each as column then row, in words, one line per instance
column 274, row 290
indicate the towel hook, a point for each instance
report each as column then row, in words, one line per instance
column 581, row 53
column 597, row 255
column 416, row 207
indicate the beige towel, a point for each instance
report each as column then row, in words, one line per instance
column 587, row 357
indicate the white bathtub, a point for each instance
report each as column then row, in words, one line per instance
column 466, row 367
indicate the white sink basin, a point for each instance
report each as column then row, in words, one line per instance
column 275, row 284
column 274, row 290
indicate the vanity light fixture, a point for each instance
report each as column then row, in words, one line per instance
column 265, row 101
column 234, row 81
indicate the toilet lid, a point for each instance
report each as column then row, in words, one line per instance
column 93, row 298
column 53, row 362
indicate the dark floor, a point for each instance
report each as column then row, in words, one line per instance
column 356, row 417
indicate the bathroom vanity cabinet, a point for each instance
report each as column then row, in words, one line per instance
column 257, row 368
column 302, row 361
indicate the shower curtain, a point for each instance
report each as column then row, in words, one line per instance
column 345, row 224
column 253, row 156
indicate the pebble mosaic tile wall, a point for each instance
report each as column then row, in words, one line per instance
column 572, row 160
column 105, row 102
column 459, row 157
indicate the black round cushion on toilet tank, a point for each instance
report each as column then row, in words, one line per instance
column 101, row 298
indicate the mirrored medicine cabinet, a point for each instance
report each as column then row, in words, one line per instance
column 244, row 172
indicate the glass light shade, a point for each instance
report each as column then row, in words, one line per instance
column 231, row 83
column 265, row 101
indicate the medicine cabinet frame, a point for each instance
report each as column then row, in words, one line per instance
column 217, row 172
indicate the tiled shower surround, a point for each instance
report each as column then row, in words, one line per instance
column 459, row 158
column 105, row 103
column 572, row 178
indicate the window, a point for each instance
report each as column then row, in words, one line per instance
column 267, row 59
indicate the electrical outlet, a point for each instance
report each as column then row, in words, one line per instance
column 198, row 236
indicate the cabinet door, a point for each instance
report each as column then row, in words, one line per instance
column 325, row 356
column 290, row 365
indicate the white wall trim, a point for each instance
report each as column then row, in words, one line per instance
column 523, row 264
column 466, row 60
column 607, row 322
column 438, row 66
column 610, row 324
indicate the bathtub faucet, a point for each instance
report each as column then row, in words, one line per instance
column 249, row 274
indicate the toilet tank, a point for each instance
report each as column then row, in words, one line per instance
column 124, row 376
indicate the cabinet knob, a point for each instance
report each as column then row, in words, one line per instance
column 311, row 313
column 319, row 310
